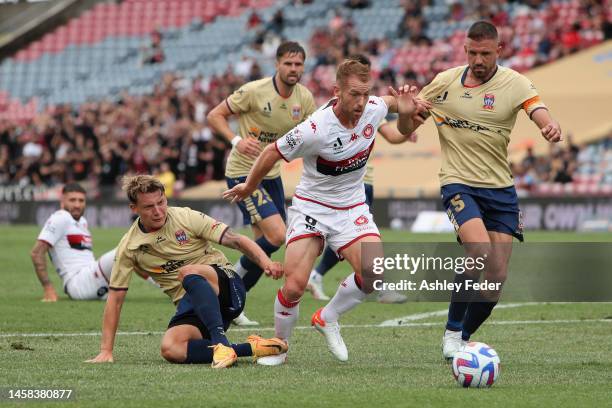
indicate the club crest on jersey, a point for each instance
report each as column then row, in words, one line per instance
column 296, row 112
column 489, row 100
column 368, row 131
column 181, row 237
column 362, row 220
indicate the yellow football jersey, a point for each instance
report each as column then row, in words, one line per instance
column 184, row 240
column 265, row 115
column 474, row 124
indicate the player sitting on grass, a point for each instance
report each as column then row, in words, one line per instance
column 67, row 240
column 173, row 245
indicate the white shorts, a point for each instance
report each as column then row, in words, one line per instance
column 339, row 228
column 91, row 281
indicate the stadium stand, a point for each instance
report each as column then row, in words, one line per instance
column 138, row 112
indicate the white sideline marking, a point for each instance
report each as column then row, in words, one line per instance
column 400, row 321
column 347, row 326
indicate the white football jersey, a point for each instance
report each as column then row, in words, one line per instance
column 71, row 243
column 334, row 156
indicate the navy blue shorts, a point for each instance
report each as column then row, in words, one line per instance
column 267, row 200
column 369, row 192
column 232, row 297
column 497, row 207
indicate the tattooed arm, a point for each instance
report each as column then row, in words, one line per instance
column 249, row 248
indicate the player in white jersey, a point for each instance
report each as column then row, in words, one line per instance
column 329, row 202
column 67, row 239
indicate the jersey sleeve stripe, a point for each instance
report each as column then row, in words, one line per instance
column 530, row 102
column 279, row 152
column 117, row 289
column 223, row 233
column 537, row 109
column 229, row 107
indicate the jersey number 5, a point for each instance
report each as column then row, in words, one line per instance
column 457, row 203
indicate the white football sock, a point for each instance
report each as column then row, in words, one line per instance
column 315, row 276
column 240, row 270
column 285, row 316
column 105, row 263
column 346, row 298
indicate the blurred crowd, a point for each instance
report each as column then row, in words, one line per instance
column 166, row 133
column 559, row 165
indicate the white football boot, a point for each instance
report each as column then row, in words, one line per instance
column 451, row 343
column 331, row 332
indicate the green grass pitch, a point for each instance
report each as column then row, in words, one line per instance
column 544, row 363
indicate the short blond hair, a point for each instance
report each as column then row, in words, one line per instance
column 350, row 67
column 143, row 183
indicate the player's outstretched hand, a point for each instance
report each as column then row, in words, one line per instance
column 407, row 100
column 274, row 270
column 249, row 147
column 552, row 132
column 237, row 193
column 103, row 357
column 50, row 294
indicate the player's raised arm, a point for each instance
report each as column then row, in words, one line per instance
column 112, row 311
column 218, row 120
column 550, row 128
column 392, row 134
column 249, row 248
column 39, row 261
column 411, row 109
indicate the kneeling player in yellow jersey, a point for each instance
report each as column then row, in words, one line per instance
column 173, row 245
column 475, row 108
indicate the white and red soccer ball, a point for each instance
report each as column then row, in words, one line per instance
column 477, row 365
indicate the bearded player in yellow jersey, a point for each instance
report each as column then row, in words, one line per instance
column 475, row 108
column 267, row 109
column 173, row 246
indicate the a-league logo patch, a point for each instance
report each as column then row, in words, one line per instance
column 296, row 112
column 181, row 237
column 368, row 131
column 294, row 139
column 489, row 100
column 362, row 220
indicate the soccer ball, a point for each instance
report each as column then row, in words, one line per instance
column 476, row 365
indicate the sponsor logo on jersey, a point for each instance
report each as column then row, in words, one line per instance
column 362, row 220
column 80, row 242
column 267, row 137
column 372, row 102
column 489, row 100
column 461, row 124
column 337, row 148
column 440, row 98
column 181, row 237
column 267, row 110
column 296, row 112
column 171, row 266
column 337, row 168
column 368, row 131
column 313, row 126
column 294, row 139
